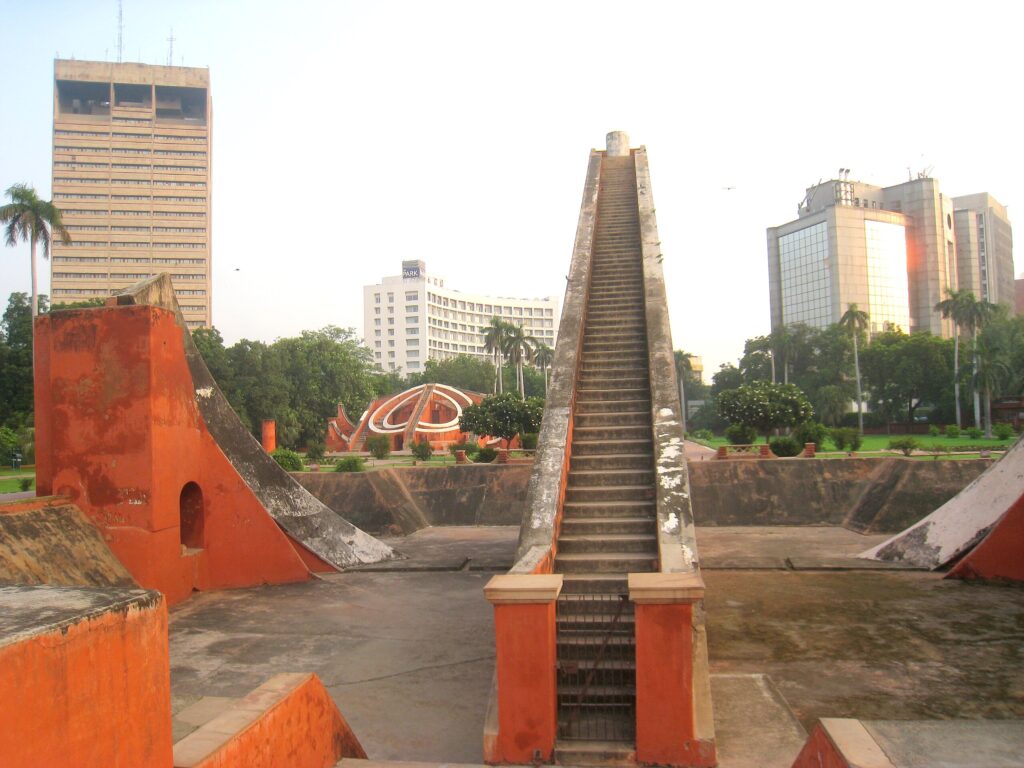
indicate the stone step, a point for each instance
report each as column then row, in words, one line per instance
column 612, row 433
column 614, row 406
column 605, row 562
column 595, row 694
column 637, row 353
column 608, row 542
column 586, row 478
column 612, row 461
column 604, row 380
column 594, row 584
column 609, row 493
column 587, row 526
column 636, row 359
column 599, row 447
column 612, row 754
column 586, row 394
column 608, row 508
column 635, row 418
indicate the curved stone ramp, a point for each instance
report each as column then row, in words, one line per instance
column 302, row 516
column 961, row 523
column 49, row 540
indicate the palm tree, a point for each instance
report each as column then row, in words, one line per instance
column 955, row 306
column 994, row 372
column 976, row 314
column 856, row 322
column 27, row 217
column 543, row 355
column 684, row 366
column 494, row 343
column 518, row 349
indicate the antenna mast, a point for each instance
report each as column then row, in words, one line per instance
column 120, row 31
column 170, row 49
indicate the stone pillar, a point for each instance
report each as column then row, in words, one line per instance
column 524, row 632
column 809, row 449
column 460, row 457
column 723, row 452
column 617, row 143
column 269, row 435
column 665, row 717
column 503, row 455
column 765, row 451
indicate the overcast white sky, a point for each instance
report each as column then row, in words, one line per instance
column 349, row 136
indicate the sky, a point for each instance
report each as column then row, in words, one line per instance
column 348, row 136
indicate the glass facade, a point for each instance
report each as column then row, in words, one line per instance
column 806, row 278
column 887, row 276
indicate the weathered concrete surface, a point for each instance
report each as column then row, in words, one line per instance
column 409, row 498
column 872, row 645
column 451, row 549
column 804, row 547
column 867, row 495
column 50, row 541
column 1000, row 555
column 754, row 725
column 950, row 743
column 963, row 521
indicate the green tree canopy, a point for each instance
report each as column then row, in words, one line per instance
column 765, row 406
column 503, row 416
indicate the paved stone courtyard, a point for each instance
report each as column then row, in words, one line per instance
column 408, row 654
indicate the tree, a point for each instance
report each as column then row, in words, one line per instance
column 765, row 406
column 468, row 372
column 902, row 372
column 16, row 403
column 684, row 367
column 494, row 344
column 27, row 217
column 505, row 416
column 518, row 349
column 976, row 315
column 856, row 322
column 543, row 356
column 830, row 403
column 955, row 306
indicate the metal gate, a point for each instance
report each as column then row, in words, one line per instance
column 596, row 668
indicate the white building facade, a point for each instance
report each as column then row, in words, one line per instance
column 413, row 317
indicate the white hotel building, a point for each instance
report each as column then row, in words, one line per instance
column 411, row 318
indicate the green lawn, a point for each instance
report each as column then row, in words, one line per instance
column 11, row 484
column 881, row 443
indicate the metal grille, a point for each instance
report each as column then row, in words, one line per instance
column 596, row 668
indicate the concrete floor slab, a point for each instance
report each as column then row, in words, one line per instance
column 951, row 743
column 819, row 547
column 753, row 724
column 454, row 548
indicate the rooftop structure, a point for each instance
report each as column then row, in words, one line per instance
column 131, row 174
column 413, row 317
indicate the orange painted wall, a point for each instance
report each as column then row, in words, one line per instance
column 664, row 687
column 1000, row 555
column 96, row 695
column 305, row 730
column 819, row 752
column 118, row 432
column 527, row 692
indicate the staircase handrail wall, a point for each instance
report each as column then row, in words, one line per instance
column 546, row 492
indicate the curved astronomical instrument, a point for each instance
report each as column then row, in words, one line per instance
column 381, row 420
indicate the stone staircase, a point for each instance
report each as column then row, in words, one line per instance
column 608, row 522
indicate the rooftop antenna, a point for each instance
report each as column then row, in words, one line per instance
column 170, row 49
column 120, row 31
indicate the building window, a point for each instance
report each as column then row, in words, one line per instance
column 376, row 298
column 412, row 296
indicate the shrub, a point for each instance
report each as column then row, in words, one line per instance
column 785, row 446
column 485, row 456
column 703, row 434
column 840, row 437
column 290, row 461
column 422, row 449
column 379, row 446
column 933, row 431
column 974, row 433
column 25, row 483
column 810, row 432
column 856, row 439
column 471, row 449
column 740, row 434
column 937, row 449
column 350, row 464
column 1002, row 430
column 315, row 451
column 529, row 440
column 952, row 430
column 906, row 445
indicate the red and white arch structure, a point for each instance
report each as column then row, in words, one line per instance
column 425, row 412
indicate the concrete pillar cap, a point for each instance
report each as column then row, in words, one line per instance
column 523, row 588
column 617, row 144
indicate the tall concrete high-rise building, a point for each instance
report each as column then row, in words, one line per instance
column 984, row 248
column 131, row 174
column 413, row 317
column 892, row 251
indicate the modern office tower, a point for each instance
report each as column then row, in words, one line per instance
column 413, row 317
column 984, row 248
column 131, row 174
column 892, row 251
